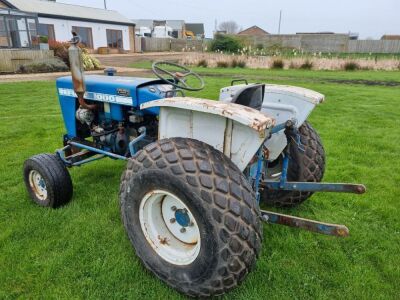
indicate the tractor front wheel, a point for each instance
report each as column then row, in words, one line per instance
column 47, row 180
column 191, row 216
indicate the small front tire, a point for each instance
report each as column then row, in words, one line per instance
column 47, row 180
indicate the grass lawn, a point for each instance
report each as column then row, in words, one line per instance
column 81, row 251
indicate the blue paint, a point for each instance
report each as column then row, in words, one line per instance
column 96, row 150
column 182, row 218
column 285, row 166
column 260, row 160
column 142, row 131
column 130, row 88
column 315, row 187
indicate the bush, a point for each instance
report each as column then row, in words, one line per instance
column 226, row 43
column 222, row 64
column 241, row 64
column 307, row 65
column 61, row 50
column 89, row 62
column 202, row 63
column 43, row 39
column 44, row 66
column 278, row 64
column 238, row 64
column 351, row 66
column 260, row 46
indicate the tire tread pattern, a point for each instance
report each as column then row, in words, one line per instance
column 226, row 194
column 306, row 167
column 58, row 181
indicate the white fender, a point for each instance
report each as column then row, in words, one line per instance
column 235, row 130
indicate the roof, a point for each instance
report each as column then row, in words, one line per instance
column 57, row 10
column 390, row 37
column 253, row 30
column 196, row 28
column 174, row 24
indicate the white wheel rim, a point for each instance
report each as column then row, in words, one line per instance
column 169, row 227
column 38, row 185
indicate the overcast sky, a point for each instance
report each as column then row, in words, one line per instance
column 366, row 17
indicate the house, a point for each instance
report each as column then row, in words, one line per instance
column 196, row 28
column 254, row 31
column 146, row 27
column 22, row 21
column 390, row 37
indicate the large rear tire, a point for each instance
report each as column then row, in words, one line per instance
column 47, row 180
column 307, row 166
column 191, row 216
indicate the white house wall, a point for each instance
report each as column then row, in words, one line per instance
column 63, row 28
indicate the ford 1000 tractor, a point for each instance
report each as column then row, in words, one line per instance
column 196, row 170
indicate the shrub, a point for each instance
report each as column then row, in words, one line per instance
column 241, row 64
column 307, row 65
column 278, row 64
column 44, row 66
column 260, row 46
column 61, row 50
column 351, row 66
column 89, row 62
column 43, row 39
column 222, row 64
column 234, row 63
column 202, row 63
column 226, row 43
column 238, row 63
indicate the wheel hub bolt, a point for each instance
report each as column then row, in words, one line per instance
column 183, row 230
column 173, row 220
column 191, row 224
column 173, row 208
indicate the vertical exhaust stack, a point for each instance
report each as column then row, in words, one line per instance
column 76, row 65
column 77, row 70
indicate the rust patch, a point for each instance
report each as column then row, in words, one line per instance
column 163, row 240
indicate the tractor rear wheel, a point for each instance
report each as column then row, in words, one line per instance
column 307, row 166
column 47, row 180
column 191, row 216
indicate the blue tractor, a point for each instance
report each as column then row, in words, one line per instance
column 196, row 168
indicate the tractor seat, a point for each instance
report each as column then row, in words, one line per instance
column 250, row 96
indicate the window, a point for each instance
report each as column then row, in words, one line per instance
column 3, row 33
column 86, row 35
column 175, row 34
column 114, row 39
column 47, row 30
column 17, row 29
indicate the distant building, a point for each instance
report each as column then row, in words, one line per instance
column 196, row 28
column 177, row 26
column 350, row 35
column 390, row 37
column 55, row 21
column 254, row 31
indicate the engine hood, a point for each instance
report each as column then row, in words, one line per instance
column 111, row 85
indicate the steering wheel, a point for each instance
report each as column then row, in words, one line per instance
column 178, row 76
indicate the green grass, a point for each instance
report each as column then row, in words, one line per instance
column 81, row 251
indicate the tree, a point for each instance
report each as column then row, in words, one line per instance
column 230, row 27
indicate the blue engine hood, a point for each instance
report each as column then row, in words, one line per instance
column 110, row 85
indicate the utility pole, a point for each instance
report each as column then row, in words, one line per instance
column 105, row 4
column 280, row 20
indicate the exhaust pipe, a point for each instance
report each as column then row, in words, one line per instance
column 77, row 71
